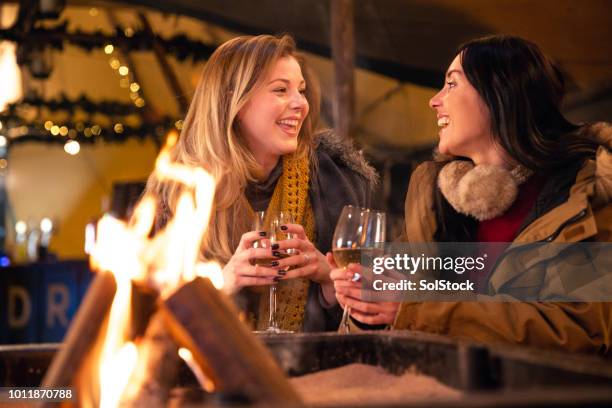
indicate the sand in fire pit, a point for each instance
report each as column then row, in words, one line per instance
column 366, row 384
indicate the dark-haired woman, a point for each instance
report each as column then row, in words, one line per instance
column 511, row 169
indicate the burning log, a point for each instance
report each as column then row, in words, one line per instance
column 142, row 309
column 83, row 332
column 156, row 370
column 203, row 320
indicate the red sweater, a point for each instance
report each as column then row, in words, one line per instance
column 505, row 227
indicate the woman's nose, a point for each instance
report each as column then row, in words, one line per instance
column 298, row 101
column 435, row 101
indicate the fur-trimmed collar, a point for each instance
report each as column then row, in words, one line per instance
column 338, row 148
column 602, row 133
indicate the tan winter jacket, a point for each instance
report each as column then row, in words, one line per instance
column 576, row 327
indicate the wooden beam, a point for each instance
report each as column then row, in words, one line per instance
column 343, row 55
column 164, row 65
column 387, row 67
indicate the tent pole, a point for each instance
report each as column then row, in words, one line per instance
column 343, row 55
column 164, row 65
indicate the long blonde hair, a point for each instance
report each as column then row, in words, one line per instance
column 210, row 136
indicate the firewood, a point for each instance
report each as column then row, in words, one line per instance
column 157, row 368
column 83, row 332
column 204, row 320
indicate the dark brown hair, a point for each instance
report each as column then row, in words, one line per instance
column 523, row 90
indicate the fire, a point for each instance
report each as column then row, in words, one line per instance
column 115, row 374
column 212, row 271
column 164, row 261
column 186, row 355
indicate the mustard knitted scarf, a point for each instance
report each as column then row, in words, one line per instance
column 290, row 194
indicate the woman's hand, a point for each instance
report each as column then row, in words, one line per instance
column 307, row 262
column 240, row 272
column 348, row 292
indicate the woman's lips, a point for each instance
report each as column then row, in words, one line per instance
column 289, row 126
column 443, row 121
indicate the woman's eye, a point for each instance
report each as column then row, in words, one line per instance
column 451, row 84
column 303, row 91
column 280, row 90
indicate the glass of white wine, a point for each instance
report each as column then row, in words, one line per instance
column 271, row 225
column 359, row 235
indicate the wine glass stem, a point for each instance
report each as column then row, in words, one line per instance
column 272, row 322
column 344, row 323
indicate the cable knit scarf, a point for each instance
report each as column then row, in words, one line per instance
column 290, row 194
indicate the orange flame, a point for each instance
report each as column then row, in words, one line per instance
column 167, row 260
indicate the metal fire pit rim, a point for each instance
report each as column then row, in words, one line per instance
column 30, row 347
column 581, row 363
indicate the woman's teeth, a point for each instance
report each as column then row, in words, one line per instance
column 442, row 122
column 288, row 122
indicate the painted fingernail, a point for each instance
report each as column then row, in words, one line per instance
column 276, row 253
column 276, row 278
column 282, row 272
column 274, row 263
column 274, row 246
column 262, row 233
column 283, row 227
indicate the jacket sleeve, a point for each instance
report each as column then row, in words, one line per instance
column 574, row 327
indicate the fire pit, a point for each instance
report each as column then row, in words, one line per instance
column 488, row 376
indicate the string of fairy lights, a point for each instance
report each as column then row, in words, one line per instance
column 73, row 122
column 126, row 80
column 117, row 126
column 74, row 133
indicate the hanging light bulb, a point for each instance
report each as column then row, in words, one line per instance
column 21, row 227
column 41, row 62
column 72, row 147
column 46, row 225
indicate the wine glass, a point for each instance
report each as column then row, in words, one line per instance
column 359, row 233
column 273, row 234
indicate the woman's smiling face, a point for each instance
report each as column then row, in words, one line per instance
column 271, row 120
column 463, row 118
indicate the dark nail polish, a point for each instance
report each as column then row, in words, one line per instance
column 283, row 227
column 282, row 272
column 274, row 263
column 276, row 253
column 274, row 246
column 262, row 233
column 276, row 278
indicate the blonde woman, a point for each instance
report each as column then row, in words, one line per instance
column 253, row 125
